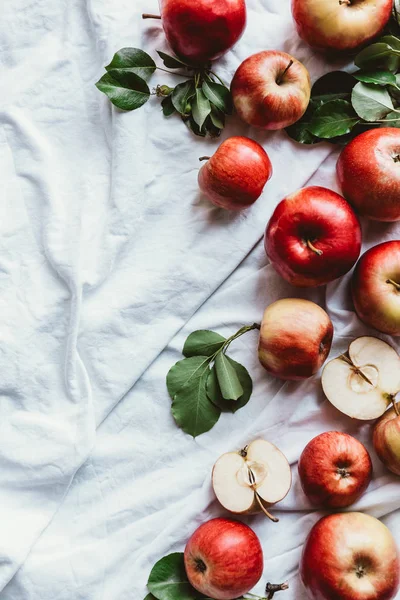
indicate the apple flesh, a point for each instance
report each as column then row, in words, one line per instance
column 340, row 24
column 376, row 287
column 295, row 338
column 386, row 439
column 271, row 90
column 363, row 382
column 223, row 559
column 252, row 480
column 313, row 237
column 368, row 171
column 350, row 556
column 335, row 469
column 203, row 30
column 235, row 176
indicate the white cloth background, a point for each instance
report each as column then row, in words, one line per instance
column 109, row 259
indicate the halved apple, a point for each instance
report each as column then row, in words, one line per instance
column 253, row 479
column 364, row 381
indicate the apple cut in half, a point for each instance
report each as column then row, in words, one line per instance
column 253, row 479
column 363, row 382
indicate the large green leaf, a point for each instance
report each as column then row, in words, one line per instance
column 370, row 102
column 219, row 95
column 299, row 131
column 201, row 108
column 333, row 83
column 181, row 96
column 333, row 119
column 214, row 391
column 378, row 77
column 172, row 62
column 217, row 117
column 192, row 409
column 203, row 343
column 168, row 579
column 392, row 120
column 135, row 60
column 376, row 55
column 150, row 597
column 228, row 380
column 125, row 89
column 185, row 371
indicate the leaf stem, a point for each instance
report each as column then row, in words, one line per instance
column 174, row 73
column 219, row 79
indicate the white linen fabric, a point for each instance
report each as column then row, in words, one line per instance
column 109, row 259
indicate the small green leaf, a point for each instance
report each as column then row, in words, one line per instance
column 299, row 131
column 321, row 99
column 370, row 102
column 219, row 95
column 203, row 343
column 214, row 391
column 185, row 371
column 375, row 55
column 192, row 409
column 228, row 380
column 181, row 96
column 193, row 127
column 217, row 117
column 126, row 90
column 201, row 108
column 392, row 120
column 150, row 597
column 391, row 40
column 333, row 83
column 167, row 106
column 333, row 119
column 135, row 60
column 171, row 62
column 168, row 579
column 377, row 77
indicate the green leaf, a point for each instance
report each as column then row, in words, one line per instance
column 192, row 409
column 391, row 40
column 181, row 96
column 203, row 343
column 126, row 90
column 201, row 108
column 214, row 391
column 333, row 119
column 168, row 579
column 299, row 131
column 321, row 99
column 333, row 84
column 171, row 62
column 228, row 380
column 375, row 55
column 392, row 120
column 150, row 597
column 185, row 371
column 167, row 106
column 217, row 117
column 377, row 77
column 193, row 127
column 219, row 95
column 370, row 102
column 135, row 60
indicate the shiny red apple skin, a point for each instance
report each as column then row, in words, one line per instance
column 235, row 176
column 340, row 25
column 350, row 556
column 203, row 30
column 335, row 469
column 223, row 559
column 376, row 299
column 368, row 171
column 265, row 96
column 325, row 219
column 386, row 439
column 295, row 339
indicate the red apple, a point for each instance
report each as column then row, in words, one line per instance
column 340, row 24
column 236, row 175
column 223, row 559
column 386, row 439
column 350, row 556
column 369, row 173
column 376, row 287
column 271, row 90
column 295, row 338
column 203, row 30
column 334, row 469
column 313, row 237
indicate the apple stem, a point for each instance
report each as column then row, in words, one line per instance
column 313, row 248
column 204, row 158
column 396, row 285
column 148, row 16
column 259, row 500
column 280, row 78
column 348, row 2
column 272, row 588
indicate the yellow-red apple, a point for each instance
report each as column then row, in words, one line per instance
column 386, row 439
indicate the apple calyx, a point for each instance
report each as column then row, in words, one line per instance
column 394, row 283
column 282, row 75
column 149, row 16
column 313, row 248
